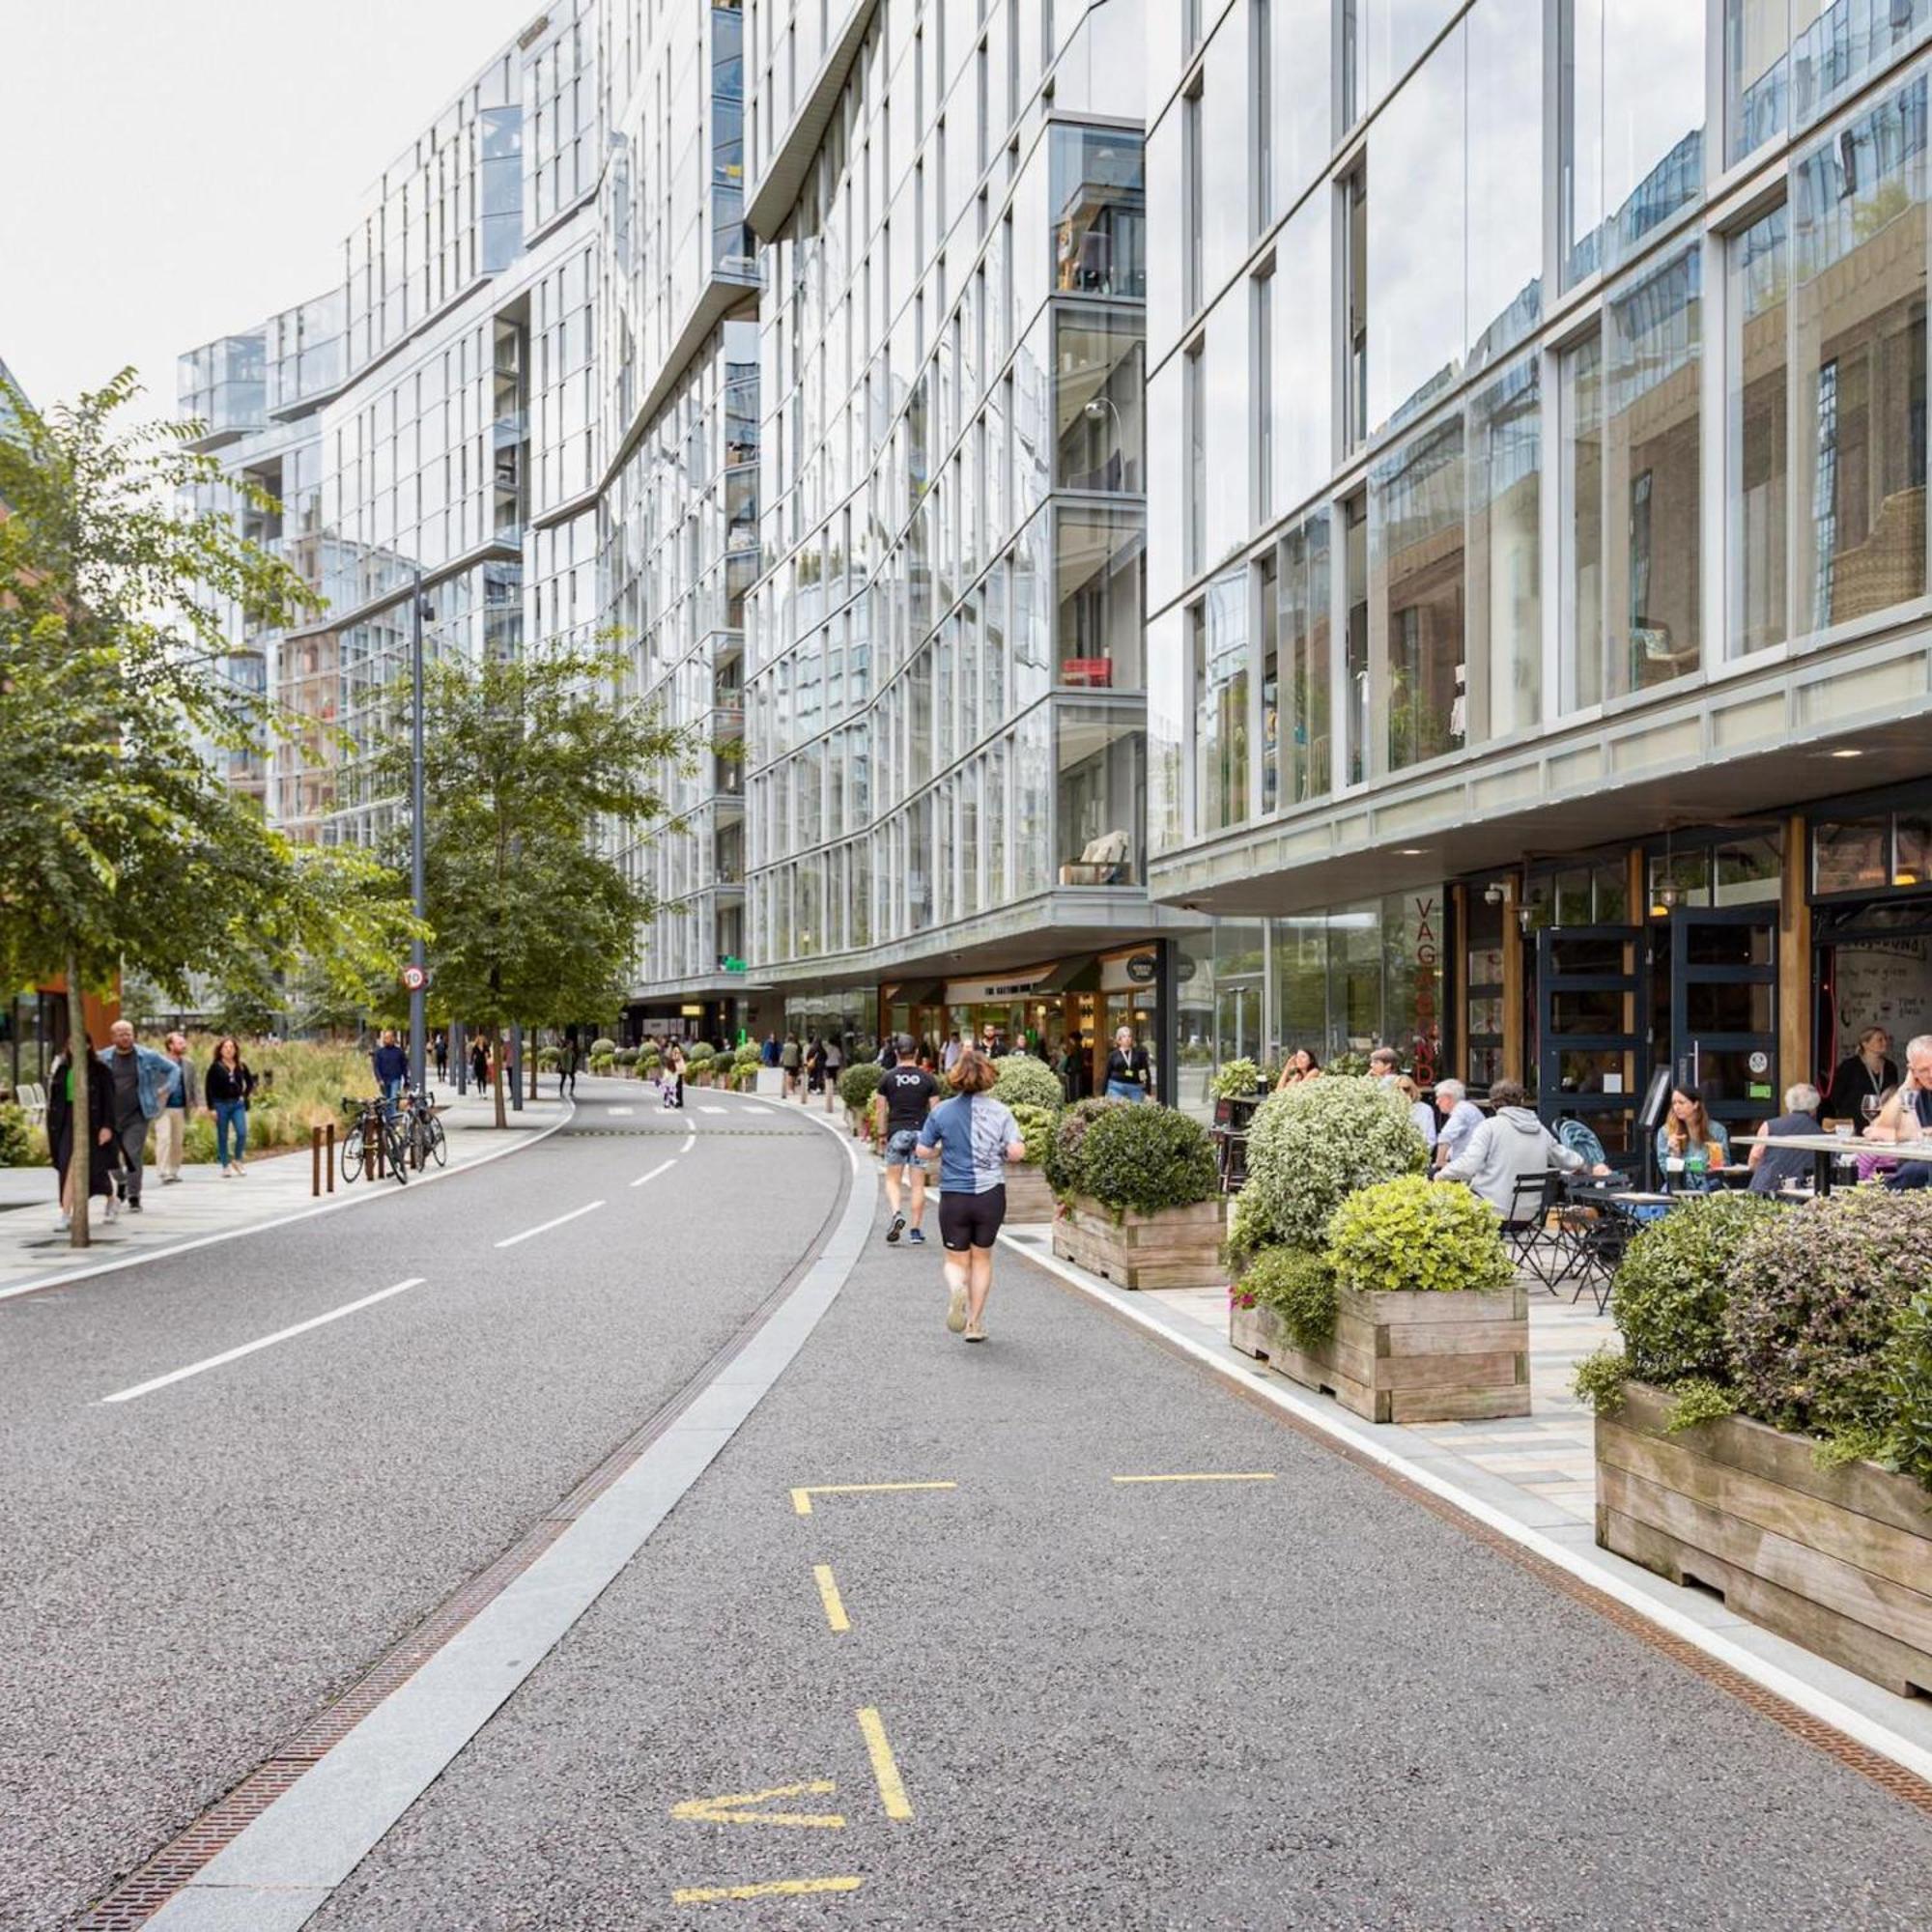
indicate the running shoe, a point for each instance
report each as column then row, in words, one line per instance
column 976, row 1334
column 956, row 1311
column 896, row 1229
column 916, row 1235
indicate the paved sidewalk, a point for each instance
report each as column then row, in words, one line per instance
column 274, row 1187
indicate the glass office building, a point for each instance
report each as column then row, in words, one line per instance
column 1536, row 645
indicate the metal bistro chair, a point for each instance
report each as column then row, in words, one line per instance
column 1603, row 1238
column 1526, row 1227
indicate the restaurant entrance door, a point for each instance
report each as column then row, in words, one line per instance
column 1723, row 1011
column 1591, row 1052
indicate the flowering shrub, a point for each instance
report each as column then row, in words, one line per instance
column 1312, row 1146
column 1036, row 1125
column 1062, row 1158
column 1236, row 1079
column 1145, row 1158
column 1298, row 1285
column 859, row 1083
column 1816, row 1297
column 1027, row 1082
column 1669, row 1294
column 1408, row 1235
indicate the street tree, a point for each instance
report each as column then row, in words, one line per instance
column 120, row 846
column 532, row 767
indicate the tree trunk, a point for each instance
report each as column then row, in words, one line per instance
column 496, row 1058
column 80, row 1166
column 531, row 1054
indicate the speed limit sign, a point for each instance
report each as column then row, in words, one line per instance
column 414, row 979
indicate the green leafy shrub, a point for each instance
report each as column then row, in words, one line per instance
column 547, row 1059
column 1298, row 1283
column 600, row 1046
column 17, row 1142
column 1817, row 1295
column 859, row 1083
column 746, row 1056
column 1144, row 1158
column 1235, row 1080
column 1063, row 1159
column 1412, row 1235
column 1600, row 1379
column 699, row 1053
column 1036, row 1125
column 1347, row 1064
column 603, row 1063
column 626, row 1055
column 1908, row 1393
column 1669, row 1294
column 1312, row 1146
column 1698, row 1399
column 1027, row 1082
column 650, row 1060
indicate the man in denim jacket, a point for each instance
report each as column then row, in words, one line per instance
column 142, row 1078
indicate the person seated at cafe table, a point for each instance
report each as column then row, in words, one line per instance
column 1688, row 1127
column 1908, row 1114
column 1774, row 1168
column 1510, row 1144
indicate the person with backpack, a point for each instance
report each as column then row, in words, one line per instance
column 791, row 1057
column 976, row 1137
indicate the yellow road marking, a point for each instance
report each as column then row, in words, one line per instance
column 885, row 1768
column 777, row 1887
column 734, row 1808
column 828, row 1595
column 1207, row 1476
column 801, row 1499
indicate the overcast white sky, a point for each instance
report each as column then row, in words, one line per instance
column 173, row 172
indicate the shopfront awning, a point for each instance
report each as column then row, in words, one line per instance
column 1078, row 975
column 919, row 993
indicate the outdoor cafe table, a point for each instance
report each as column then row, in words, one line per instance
column 1826, row 1146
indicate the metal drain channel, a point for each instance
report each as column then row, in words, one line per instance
column 150, row 1886
column 1879, row 1769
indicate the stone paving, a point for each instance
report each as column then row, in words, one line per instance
column 272, row 1188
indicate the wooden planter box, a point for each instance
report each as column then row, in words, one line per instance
column 1409, row 1357
column 1838, row 1560
column 1028, row 1196
column 1177, row 1248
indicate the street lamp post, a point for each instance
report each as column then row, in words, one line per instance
column 416, row 953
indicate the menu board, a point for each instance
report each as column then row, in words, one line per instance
column 1883, row 983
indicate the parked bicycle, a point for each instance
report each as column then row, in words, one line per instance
column 376, row 1139
column 422, row 1126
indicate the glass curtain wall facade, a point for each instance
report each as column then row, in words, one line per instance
column 943, row 665
column 1585, row 471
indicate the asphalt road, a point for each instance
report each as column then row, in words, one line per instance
column 187, row 1576
column 1302, row 1701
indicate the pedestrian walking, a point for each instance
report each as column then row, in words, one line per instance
column 442, row 1046
column 769, row 1053
column 949, row 1057
column 60, row 1131
column 1129, row 1072
column 391, row 1065
column 905, row 1099
column 141, row 1078
column 171, row 1122
column 976, row 1137
column 226, row 1089
column 672, row 1086
column 791, row 1057
column 566, row 1069
column 814, row 1066
column 480, row 1062
column 1076, row 1069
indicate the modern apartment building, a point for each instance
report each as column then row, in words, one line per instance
column 1537, row 571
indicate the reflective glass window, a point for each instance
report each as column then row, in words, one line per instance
column 1505, row 553
column 1581, row 416
column 1099, row 212
column 1097, row 391
column 1505, row 47
column 1221, row 705
column 1099, row 569
column 1836, row 43
column 1416, row 597
column 1297, row 767
column 1757, row 70
column 1757, row 391
column 1101, row 754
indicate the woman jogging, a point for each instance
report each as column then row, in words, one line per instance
column 976, row 1136
column 226, row 1091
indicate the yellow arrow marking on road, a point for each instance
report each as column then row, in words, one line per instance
column 801, row 1499
column 735, row 1807
column 777, row 1887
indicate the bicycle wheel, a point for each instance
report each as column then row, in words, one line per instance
column 353, row 1154
column 397, row 1152
column 439, row 1141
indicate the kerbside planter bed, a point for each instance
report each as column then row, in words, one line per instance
column 1174, row 1247
column 1837, row 1560
column 1407, row 1357
column 1028, row 1196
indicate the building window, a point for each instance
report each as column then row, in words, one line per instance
column 1194, row 435
column 1099, row 795
column 1756, row 468
column 1416, row 578
column 1355, row 312
column 1221, row 705
column 1356, row 662
column 1857, row 224
column 1262, row 403
column 1098, row 389
column 1580, row 135
column 1267, row 665
column 1099, row 567
column 1505, row 197
column 1294, row 723
column 1353, row 77
column 1581, row 430
column 1193, row 220
column 1757, row 38
column 1099, row 199
column 1505, row 554
column 1260, row 67
column 1652, row 481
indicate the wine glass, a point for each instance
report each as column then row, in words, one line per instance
column 1868, row 1107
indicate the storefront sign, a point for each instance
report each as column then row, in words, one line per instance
column 1425, row 962
column 692, row 1012
column 1142, row 968
column 972, row 992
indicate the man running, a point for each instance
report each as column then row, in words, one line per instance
column 905, row 1099
column 977, row 1137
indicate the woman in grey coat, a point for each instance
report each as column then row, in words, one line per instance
column 1510, row 1144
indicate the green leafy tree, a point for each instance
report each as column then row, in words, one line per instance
column 120, row 847
column 524, row 760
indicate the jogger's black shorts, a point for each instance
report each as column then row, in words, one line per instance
column 971, row 1220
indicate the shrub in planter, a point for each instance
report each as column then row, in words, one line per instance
column 1139, row 1157
column 1062, row 1156
column 601, row 1063
column 601, row 1045
column 17, row 1143
column 1908, row 1379
column 1027, row 1082
column 1414, row 1236
column 1312, row 1146
column 699, row 1053
column 649, row 1060
column 626, row 1055
column 1347, row 1064
column 1036, row 1125
column 746, row 1056
column 1236, row 1079
column 1817, row 1296
column 547, row 1059
column 1298, row 1285
column 859, row 1083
